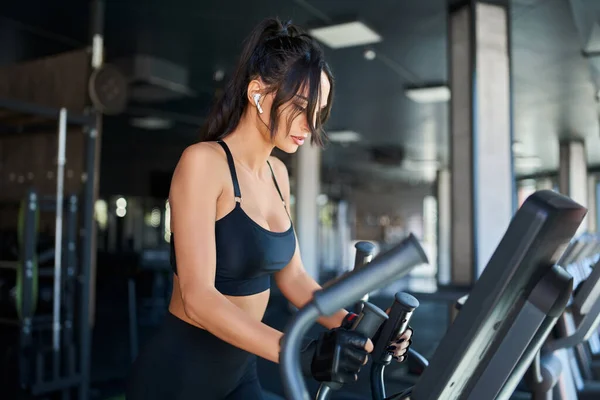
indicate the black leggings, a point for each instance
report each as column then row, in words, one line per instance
column 184, row 362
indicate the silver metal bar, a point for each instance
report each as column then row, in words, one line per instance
column 60, row 179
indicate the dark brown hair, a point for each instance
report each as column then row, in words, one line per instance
column 288, row 60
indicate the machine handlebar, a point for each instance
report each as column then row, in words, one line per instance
column 389, row 266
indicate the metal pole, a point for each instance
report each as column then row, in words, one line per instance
column 88, row 262
column 97, row 61
column 60, row 179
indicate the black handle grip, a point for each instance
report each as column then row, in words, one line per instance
column 369, row 320
column 364, row 253
column 399, row 319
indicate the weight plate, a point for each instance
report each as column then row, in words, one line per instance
column 108, row 90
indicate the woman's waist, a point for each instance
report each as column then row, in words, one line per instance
column 254, row 305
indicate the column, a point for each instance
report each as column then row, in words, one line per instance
column 343, row 234
column 572, row 174
column 482, row 183
column 444, row 272
column 592, row 203
column 308, row 182
column 597, row 190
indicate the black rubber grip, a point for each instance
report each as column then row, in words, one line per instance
column 399, row 319
column 364, row 253
column 369, row 320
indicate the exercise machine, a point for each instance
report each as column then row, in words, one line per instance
column 562, row 370
column 509, row 314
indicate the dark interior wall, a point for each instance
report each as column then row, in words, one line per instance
column 137, row 162
column 13, row 46
column 33, row 29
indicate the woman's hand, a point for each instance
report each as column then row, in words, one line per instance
column 337, row 356
column 327, row 357
column 399, row 347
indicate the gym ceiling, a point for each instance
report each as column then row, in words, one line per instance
column 554, row 76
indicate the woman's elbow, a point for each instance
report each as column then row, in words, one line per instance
column 197, row 303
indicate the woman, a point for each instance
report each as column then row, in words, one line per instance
column 232, row 232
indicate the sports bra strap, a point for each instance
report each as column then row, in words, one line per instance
column 236, row 185
column 275, row 181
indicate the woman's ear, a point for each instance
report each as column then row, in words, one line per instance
column 255, row 92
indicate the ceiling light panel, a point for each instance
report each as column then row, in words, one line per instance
column 348, row 34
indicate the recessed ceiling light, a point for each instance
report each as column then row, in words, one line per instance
column 429, row 94
column 151, row 123
column 370, row 54
column 346, row 35
column 344, row 136
column 219, row 75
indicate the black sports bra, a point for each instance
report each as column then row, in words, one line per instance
column 247, row 253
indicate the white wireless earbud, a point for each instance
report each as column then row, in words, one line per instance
column 256, row 99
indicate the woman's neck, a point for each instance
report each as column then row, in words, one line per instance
column 249, row 145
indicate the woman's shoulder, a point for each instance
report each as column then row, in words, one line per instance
column 203, row 154
column 203, row 158
column 203, row 150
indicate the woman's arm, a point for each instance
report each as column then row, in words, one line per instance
column 195, row 188
column 298, row 287
column 293, row 281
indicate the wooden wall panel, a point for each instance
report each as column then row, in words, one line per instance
column 29, row 159
column 56, row 81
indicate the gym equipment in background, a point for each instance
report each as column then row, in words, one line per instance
column 108, row 89
column 44, row 289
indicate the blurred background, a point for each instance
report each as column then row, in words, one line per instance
column 123, row 87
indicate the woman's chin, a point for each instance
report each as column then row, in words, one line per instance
column 288, row 148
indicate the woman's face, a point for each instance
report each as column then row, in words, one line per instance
column 299, row 132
